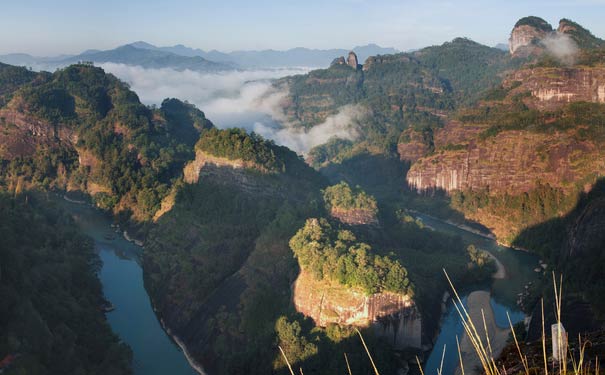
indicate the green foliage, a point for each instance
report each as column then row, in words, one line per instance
column 50, row 315
column 478, row 257
column 292, row 341
column 536, row 22
column 526, row 209
column 342, row 196
column 469, row 67
column 138, row 152
column 336, row 255
column 237, row 144
column 583, row 37
column 400, row 91
column 588, row 119
column 185, row 121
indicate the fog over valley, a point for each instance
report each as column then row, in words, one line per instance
column 239, row 98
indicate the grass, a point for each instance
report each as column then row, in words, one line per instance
column 483, row 347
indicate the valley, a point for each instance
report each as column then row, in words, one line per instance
column 335, row 209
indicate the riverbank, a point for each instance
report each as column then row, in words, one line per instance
column 478, row 307
column 155, row 351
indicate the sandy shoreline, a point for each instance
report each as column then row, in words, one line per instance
column 480, row 301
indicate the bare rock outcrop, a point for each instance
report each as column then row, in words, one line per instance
column 526, row 35
column 511, row 162
column 352, row 60
column 354, row 216
column 338, row 61
column 552, row 88
column 392, row 316
column 243, row 175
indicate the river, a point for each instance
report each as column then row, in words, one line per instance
column 133, row 320
column 519, row 268
column 155, row 353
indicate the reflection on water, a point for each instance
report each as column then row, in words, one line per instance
column 133, row 319
column 519, row 272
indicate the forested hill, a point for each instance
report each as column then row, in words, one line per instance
column 51, row 315
column 82, row 129
column 399, row 91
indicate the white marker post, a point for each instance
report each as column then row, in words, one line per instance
column 559, row 342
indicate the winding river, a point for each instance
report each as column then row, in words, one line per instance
column 133, row 320
column 518, row 267
column 155, row 353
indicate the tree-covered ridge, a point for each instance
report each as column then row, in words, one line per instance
column 238, row 144
column 335, row 254
column 11, row 78
column 468, row 67
column 103, row 140
column 342, row 196
column 51, row 315
column 583, row 37
column 534, row 21
column 400, row 91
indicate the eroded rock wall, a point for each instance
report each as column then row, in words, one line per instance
column 392, row 316
column 552, row 88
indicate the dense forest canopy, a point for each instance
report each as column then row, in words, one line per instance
column 336, row 255
column 342, row 196
column 51, row 316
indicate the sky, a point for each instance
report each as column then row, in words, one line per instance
column 43, row 28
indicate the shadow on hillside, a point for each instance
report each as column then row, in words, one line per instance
column 575, row 245
column 385, row 178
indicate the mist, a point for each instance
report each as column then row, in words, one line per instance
column 562, row 47
column 244, row 99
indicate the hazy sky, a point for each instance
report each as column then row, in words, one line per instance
column 44, row 27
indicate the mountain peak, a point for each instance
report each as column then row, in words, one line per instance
column 583, row 37
column 526, row 35
column 142, row 45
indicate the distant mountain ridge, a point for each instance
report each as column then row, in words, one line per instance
column 272, row 58
column 181, row 57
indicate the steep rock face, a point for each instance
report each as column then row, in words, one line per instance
column 242, row 174
column 513, row 161
column 525, row 35
column 392, row 316
column 352, row 60
column 553, row 87
column 338, row 61
column 354, row 217
column 23, row 133
column 413, row 147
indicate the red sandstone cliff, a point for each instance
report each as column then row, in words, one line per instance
column 392, row 316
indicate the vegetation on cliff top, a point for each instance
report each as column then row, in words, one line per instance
column 534, row 21
column 407, row 90
column 342, row 196
column 134, row 153
column 336, row 255
column 51, row 312
column 238, row 144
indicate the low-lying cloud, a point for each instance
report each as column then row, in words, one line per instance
column 244, row 99
column 562, row 47
column 343, row 125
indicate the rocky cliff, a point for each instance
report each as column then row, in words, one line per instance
column 246, row 176
column 392, row 316
column 526, row 35
column 352, row 60
column 552, row 88
column 512, row 162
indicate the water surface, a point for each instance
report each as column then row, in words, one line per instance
column 133, row 319
column 519, row 267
